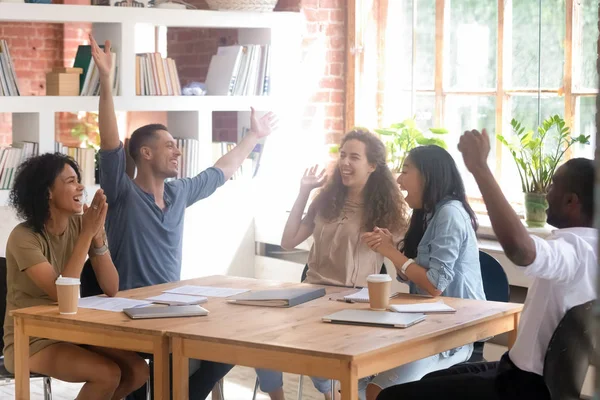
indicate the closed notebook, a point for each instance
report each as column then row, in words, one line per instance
column 278, row 297
column 428, row 308
column 381, row 319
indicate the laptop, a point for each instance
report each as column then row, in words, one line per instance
column 165, row 312
column 279, row 297
column 383, row 319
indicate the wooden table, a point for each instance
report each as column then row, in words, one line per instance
column 295, row 339
column 98, row 328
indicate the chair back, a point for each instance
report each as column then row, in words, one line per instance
column 89, row 282
column 570, row 353
column 495, row 282
column 3, row 291
column 305, row 272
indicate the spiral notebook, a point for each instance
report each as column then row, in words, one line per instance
column 362, row 296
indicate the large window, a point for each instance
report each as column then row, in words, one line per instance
column 464, row 64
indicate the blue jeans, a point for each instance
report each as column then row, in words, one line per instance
column 269, row 381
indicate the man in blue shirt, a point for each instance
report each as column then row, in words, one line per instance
column 145, row 218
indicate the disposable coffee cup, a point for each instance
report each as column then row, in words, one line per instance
column 67, row 290
column 380, row 286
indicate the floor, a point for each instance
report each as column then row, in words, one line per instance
column 239, row 384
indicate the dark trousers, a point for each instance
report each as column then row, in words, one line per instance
column 500, row 380
column 201, row 382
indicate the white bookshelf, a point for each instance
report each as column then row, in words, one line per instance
column 188, row 117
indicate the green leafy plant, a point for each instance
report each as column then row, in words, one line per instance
column 538, row 154
column 402, row 137
column 87, row 131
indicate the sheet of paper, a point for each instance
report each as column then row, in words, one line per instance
column 207, row 291
column 362, row 296
column 172, row 298
column 422, row 307
column 116, row 304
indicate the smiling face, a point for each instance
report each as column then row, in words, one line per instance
column 66, row 193
column 162, row 154
column 353, row 164
column 411, row 181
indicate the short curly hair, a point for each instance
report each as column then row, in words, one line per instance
column 30, row 195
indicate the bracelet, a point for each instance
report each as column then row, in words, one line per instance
column 100, row 251
column 405, row 265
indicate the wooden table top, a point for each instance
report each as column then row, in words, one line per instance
column 300, row 328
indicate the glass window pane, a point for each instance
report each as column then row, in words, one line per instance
column 465, row 113
column 425, row 111
column 397, row 109
column 585, row 123
column 525, row 46
column 470, row 50
column 525, row 110
column 399, row 43
column 586, row 74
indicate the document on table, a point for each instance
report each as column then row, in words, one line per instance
column 208, row 291
column 115, row 304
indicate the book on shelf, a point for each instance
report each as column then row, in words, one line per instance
column 85, row 158
column 89, row 80
column 9, row 85
column 246, row 170
column 240, row 71
column 188, row 162
column 156, row 76
column 10, row 159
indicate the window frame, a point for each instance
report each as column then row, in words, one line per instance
column 360, row 17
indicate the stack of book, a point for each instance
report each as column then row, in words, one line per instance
column 89, row 80
column 11, row 158
column 85, row 158
column 156, row 76
column 240, row 71
column 9, row 85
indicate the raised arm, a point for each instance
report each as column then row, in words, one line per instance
column 107, row 120
column 298, row 229
column 518, row 246
column 259, row 128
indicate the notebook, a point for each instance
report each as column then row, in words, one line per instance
column 430, row 308
column 173, row 299
column 165, row 312
column 362, row 296
column 278, row 297
column 384, row 319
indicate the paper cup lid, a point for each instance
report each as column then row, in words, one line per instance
column 379, row 278
column 62, row 280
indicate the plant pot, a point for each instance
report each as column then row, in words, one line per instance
column 535, row 210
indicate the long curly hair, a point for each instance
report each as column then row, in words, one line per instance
column 384, row 205
column 30, row 195
column 441, row 180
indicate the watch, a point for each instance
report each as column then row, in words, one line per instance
column 405, row 265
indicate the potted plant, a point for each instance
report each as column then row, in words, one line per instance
column 403, row 137
column 537, row 155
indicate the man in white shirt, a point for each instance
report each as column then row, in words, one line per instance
column 563, row 268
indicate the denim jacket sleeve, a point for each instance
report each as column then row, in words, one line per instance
column 449, row 230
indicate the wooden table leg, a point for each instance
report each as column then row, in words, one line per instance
column 162, row 388
column 512, row 335
column 21, row 357
column 349, row 383
column 181, row 368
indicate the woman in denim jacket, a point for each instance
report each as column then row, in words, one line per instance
column 439, row 254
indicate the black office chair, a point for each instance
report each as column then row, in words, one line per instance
column 256, row 384
column 89, row 284
column 570, row 353
column 496, row 288
column 4, row 374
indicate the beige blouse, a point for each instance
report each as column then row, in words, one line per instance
column 338, row 256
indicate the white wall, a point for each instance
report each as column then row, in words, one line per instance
column 8, row 220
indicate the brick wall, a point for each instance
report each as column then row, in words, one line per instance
column 35, row 49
